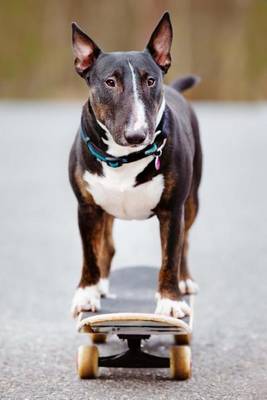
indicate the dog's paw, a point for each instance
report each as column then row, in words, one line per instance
column 172, row 308
column 86, row 299
column 103, row 287
column 188, row 286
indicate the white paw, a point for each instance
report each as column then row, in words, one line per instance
column 188, row 286
column 103, row 287
column 172, row 308
column 86, row 299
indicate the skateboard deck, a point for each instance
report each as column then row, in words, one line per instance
column 130, row 316
column 132, row 324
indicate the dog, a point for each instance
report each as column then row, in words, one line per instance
column 137, row 154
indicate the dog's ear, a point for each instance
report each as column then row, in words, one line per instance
column 159, row 45
column 84, row 49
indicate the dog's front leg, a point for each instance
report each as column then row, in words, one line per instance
column 171, row 232
column 87, row 295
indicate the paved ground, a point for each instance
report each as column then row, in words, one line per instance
column 40, row 261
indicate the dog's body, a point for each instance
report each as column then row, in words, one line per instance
column 164, row 183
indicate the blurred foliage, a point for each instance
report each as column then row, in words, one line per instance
column 225, row 42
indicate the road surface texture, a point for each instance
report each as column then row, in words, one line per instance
column 41, row 257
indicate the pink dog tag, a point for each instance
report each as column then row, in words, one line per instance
column 157, row 163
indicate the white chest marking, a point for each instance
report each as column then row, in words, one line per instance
column 116, row 194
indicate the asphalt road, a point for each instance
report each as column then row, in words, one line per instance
column 41, row 256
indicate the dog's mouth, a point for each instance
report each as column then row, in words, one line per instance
column 136, row 145
column 128, row 139
column 134, row 141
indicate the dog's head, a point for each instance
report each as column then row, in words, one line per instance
column 126, row 89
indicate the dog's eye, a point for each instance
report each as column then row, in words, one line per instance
column 110, row 82
column 151, row 81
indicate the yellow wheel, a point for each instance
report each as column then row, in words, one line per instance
column 183, row 339
column 98, row 337
column 180, row 362
column 87, row 362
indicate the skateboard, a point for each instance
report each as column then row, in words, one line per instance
column 130, row 318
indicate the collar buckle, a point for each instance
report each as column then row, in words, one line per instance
column 114, row 164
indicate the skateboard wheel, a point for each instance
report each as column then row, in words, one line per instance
column 87, row 362
column 98, row 337
column 183, row 339
column 180, row 362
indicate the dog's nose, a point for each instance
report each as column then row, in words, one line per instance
column 135, row 137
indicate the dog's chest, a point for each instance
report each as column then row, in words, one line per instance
column 117, row 194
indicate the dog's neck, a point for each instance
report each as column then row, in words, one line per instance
column 92, row 127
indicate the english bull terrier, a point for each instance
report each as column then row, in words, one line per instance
column 137, row 154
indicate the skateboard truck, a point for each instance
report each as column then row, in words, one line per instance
column 134, row 357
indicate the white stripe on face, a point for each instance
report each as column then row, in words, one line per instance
column 161, row 111
column 138, row 121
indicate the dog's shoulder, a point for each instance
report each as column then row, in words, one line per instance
column 179, row 115
column 175, row 100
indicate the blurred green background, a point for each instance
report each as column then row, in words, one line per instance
column 225, row 42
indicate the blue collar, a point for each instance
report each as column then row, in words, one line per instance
column 154, row 149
